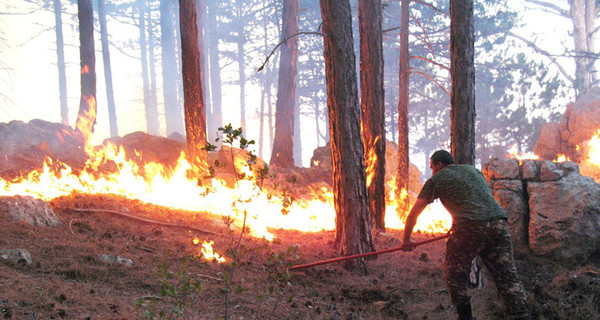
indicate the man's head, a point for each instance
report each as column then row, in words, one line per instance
column 439, row 160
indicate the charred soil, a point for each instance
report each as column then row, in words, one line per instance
column 156, row 270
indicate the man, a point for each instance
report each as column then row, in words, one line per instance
column 479, row 227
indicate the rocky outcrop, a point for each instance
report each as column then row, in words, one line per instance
column 578, row 124
column 25, row 146
column 28, row 209
column 553, row 210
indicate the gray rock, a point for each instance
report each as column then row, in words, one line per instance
column 550, row 171
column 530, row 169
column 513, row 201
column 116, row 260
column 498, row 169
column 20, row 256
column 565, row 218
column 29, row 209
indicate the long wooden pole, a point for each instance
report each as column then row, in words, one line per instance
column 361, row 255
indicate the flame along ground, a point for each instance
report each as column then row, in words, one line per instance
column 589, row 166
column 171, row 188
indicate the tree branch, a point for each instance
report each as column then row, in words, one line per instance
column 548, row 5
column 432, row 62
column 137, row 218
column 285, row 41
column 544, row 53
column 432, row 80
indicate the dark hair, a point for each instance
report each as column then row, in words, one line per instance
column 442, row 156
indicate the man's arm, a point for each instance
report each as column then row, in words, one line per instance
column 411, row 220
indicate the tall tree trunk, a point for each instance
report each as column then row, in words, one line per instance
column 462, row 70
column 373, row 106
column 353, row 222
column 241, row 55
column 201, row 17
column 282, row 154
column 152, row 69
column 216, row 119
column 297, row 132
column 403, row 133
column 194, row 109
column 173, row 113
column 151, row 113
column 86, row 117
column 60, row 61
column 110, row 97
column 583, row 16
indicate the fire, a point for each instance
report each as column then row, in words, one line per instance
column 516, row 154
column 594, row 149
column 207, row 250
column 171, row 187
column 561, row 158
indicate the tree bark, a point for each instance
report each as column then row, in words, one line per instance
column 151, row 113
column 583, row 17
column 241, row 55
column 373, row 106
column 462, row 70
column 282, row 154
column 86, row 117
column 216, row 118
column 110, row 96
column 403, row 106
column 173, row 113
column 353, row 221
column 60, row 61
column 194, row 109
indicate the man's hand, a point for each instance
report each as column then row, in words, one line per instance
column 407, row 246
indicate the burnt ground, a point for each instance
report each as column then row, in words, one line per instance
column 68, row 280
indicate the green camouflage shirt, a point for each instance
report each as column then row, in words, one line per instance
column 464, row 192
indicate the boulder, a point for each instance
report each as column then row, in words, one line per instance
column 497, row 169
column 579, row 123
column 25, row 146
column 565, row 217
column 28, row 209
column 510, row 195
column 553, row 211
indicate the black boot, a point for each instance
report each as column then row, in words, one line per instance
column 464, row 312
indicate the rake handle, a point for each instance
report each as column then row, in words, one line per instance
column 361, row 255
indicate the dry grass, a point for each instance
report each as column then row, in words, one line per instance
column 68, row 280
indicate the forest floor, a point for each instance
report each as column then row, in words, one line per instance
column 169, row 280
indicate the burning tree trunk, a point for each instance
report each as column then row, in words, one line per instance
column 283, row 146
column 373, row 106
column 110, row 97
column 403, row 142
column 462, row 69
column 353, row 222
column 173, row 114
column 60, row 57
column 195, row 115
column 86, row 118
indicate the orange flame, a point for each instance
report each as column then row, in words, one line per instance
column 171, row 187
column 561, row 158
column 207, row 251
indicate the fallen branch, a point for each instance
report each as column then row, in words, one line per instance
column 160, row 223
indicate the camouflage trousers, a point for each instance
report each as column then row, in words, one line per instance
column 491, row 241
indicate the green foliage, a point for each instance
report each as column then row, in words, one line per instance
column 178, row 291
